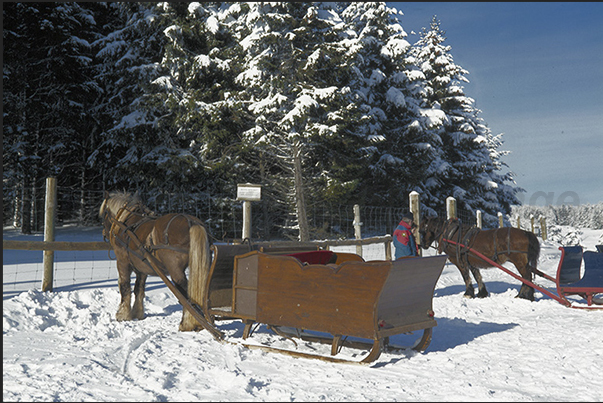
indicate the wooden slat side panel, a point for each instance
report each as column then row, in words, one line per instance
column 407, row 295
column 245, row 285
column 245, row 303
column 222, row 269
column 338, row 300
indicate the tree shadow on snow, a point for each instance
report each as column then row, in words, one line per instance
column 493, row 287
column 450, row 333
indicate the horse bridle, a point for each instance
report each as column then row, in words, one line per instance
column 438, row 234
column 119, row 221
column 446, row 231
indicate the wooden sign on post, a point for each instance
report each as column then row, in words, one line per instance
column 248, row 193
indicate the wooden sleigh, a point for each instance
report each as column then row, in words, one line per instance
column 299, row 289
column 292, row 286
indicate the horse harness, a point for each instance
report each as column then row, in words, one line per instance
column 465, row 242
column 150, row 245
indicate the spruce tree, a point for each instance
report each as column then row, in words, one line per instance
column 470, row 168
column 201, row 61
column 394, row 120
column 291, row 73
column 48, row 94
column 134, row 144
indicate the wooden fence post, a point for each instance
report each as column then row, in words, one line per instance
column 518, row 222
column 532, row 222
column 415, row 209
column 246, row 220
column 388, row 250
column 543, row 227
column 49, row 220
column 357, row 225
column 450, row 208
column 500, row 220
column 478, row 215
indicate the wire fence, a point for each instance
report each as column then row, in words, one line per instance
column 223, row 215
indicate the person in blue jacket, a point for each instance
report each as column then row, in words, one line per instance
column 404, row 240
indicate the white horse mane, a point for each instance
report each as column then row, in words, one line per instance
column 117, row 200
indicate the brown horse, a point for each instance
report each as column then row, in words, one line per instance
column 500, row 245
column 164, row 237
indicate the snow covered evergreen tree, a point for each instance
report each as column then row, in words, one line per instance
column 292, row 79
column 48, row 94
column 175, row 126
column 201, row 61
column 132, row 147
column 395, row 119
column 321, row 99
column 470, row 166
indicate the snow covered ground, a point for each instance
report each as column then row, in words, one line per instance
column 66, row 345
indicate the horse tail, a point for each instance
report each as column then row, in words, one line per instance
column 199, row 266
column 533, row 250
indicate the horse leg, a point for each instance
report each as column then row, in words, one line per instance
column 469, row 291
column 138, row 307
column 526, row 291
column 125, row 290
column 481, row 287
column 188, row 322
column 180, row 281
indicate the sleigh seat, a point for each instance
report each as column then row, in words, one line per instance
column 569, row 281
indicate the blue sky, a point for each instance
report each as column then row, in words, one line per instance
column 536, row 73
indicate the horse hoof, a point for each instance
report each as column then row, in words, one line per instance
column 482, row 294
column 137, row 315
column 468, row 296
column 123, row 313
column 188, row 328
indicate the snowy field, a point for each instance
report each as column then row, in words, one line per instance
column 66, row 345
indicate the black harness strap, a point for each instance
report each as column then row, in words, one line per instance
column 453, row 227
